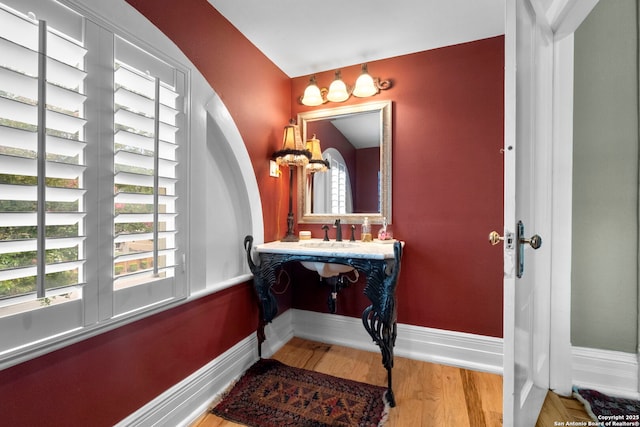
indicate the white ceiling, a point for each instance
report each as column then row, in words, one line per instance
column 303, row 37
column 362, row 130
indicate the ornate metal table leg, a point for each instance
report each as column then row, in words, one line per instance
column 263, row 279
column 379, row 319
column 384, row 334
column 260, row 335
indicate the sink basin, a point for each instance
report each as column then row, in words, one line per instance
column 326, row 269
column 328, row 245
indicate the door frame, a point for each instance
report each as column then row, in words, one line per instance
column 563, row 17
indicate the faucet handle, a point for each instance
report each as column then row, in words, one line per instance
column 326, row 232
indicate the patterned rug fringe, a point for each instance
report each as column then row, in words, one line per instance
column 585, row 403
column 224, row 393
column 385, row 412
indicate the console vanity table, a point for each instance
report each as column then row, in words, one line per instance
column 379, row 262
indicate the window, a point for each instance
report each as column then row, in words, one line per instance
column 41, row 161
column 90, row 132
column 338, row 187
column 145, row 163
column 332, row 189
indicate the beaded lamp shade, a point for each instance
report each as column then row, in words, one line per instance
column 293, row 153
column 316, row 163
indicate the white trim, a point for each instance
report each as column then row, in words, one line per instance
column 610, row 372
column 469, row 351
column 561, row 219
column 193, row 395
column 183, row 403
column 222, row 117
column 278, row 333
column 463, row 350
column 566, row 16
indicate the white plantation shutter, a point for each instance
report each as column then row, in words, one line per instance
column 338, row 187
column 145, row 165
column 90, row 130
column 41, row 157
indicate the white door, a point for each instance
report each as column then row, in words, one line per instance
column 527, row 192
column 538, row 123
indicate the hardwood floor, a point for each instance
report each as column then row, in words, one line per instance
column 561, row 409
column 427, row 394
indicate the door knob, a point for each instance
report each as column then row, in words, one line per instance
column 535, row 241
column 495, row 238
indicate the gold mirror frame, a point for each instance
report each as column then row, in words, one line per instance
column 383, row 108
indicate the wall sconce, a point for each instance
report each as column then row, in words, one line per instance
column 292, row 154
column 339, row 92
column 316, row 163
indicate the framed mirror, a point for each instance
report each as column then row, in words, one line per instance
column 356, row 141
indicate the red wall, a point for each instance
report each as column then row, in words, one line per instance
column 256, row 92
column 367, row 170
column 105, row 378
column 447, row 184
column 447, row 196
column 102, row 380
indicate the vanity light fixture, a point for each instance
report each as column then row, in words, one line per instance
column 365, row 84
column 316, row 163
column 292, row 154
column 339, row 92
column 338, row 89
column 313, row 95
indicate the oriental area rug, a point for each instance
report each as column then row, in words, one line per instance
column 608, row 410
column 272, row 394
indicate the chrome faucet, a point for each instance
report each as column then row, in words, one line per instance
column 338, row 228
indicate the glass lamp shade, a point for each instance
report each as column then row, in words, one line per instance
column 312, row 95
column 365, row 86
column 317, row 163
column 293, row 153
column 338, row 90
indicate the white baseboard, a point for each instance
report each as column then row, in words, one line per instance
column 469, row 351
column 610, row 372
column 183, row 403
column 278, row 333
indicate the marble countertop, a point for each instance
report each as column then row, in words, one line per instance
column 345, row 249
